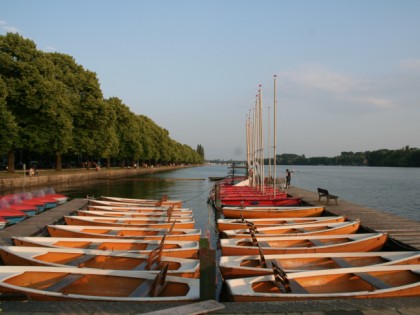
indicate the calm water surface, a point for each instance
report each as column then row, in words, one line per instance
column 392, row 189
column 395, row 190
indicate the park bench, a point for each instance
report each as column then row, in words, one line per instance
column 324, row 193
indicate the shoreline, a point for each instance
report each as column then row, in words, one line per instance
column 21, row 181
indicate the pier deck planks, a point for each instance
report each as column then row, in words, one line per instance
column 401, row 229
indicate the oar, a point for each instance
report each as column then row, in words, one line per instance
column 280, row 278
column 159, row 282
column 169, row 212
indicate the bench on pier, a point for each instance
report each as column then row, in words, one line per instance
column 324, row 193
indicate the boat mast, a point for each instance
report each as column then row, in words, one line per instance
column 261, row 139
column 275, row 132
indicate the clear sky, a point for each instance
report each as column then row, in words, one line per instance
column 348, row 70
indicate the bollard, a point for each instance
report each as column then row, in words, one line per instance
column 207, row 271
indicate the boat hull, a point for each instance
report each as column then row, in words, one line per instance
column 342, row 283
column 255, row 213
column 305, row 244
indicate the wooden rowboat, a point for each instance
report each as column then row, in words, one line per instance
column 179, row 249
column 271, row 212
column 89, row 284
column 130, row 201
column 260, row 201
column 90, row 258
column 106, row 203
column 362, row 242
column 141, row 209
column 347, row 227
column 129, row 222
column 151, row 215
column 237, row 224
column 341, row 283
column 123, row 232
column 259, row 265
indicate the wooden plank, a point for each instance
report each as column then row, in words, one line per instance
column 377, row 283
column 66, row 281
column 203, row 307
column 80, row 260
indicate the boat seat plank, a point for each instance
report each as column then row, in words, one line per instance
column 296, row 287
column 203, row 307
column 377, row 283
column 342, row 263
column 66, row 281
column 80, row 260
column 316, row 242
column 143, row 289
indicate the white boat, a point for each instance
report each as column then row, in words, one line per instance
column 360, row 242
column 236, row 224
column 347, row 227
column 130, row 222
column 151, row 215
column 140, row 209
column 91, row 258
column 180, row 249
column 123, row 232
column 91, row 284
column 259, row 265
column 341, row 283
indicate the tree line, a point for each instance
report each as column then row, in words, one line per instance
column 404, row 157
column 53, row 108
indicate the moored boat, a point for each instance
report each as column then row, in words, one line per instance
column 361, row 242
column 141, row 209
column 11, row 204
column 260, row 201
column 91, row 284
column 123, row 232
column 50, row 192
column 130, row 222
column 237, row 224
column 3, row 223
column 271, row 212
column 90, row 258
column 164, row 201
column 341, row 283
column 182, row 249
column 347, row 227
column 12, row 216
column 132, row 214
column 259, row 265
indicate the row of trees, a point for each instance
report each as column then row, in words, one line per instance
column 50, row 105
column 405, row 157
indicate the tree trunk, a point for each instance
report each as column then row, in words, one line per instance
column 58, row 162
column 11, row 161
column 108, row 162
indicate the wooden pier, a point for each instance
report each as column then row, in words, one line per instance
column 404, row 232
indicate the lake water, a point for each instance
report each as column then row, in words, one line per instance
column 395, row 190
column 392, row 189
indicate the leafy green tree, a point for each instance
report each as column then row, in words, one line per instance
column 8, row 126
column 127, row 132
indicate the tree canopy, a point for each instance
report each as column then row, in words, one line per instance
column 50, row 106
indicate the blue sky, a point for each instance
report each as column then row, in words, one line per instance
column 348, row 70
